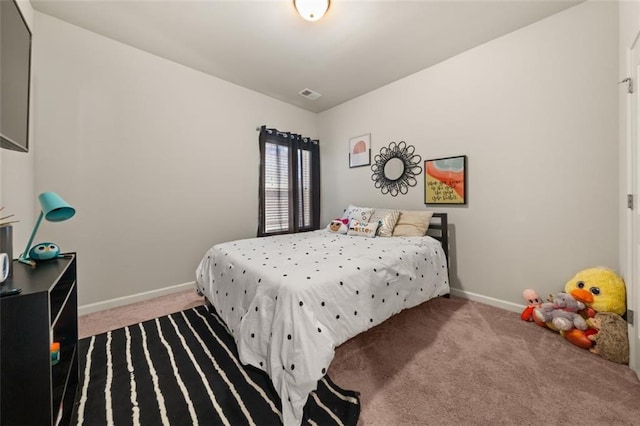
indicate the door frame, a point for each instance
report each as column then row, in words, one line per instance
column 632, row 142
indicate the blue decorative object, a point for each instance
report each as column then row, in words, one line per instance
column 44, row 251
column 54, row 209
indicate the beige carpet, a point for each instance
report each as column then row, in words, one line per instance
column 111, row 319
column 453, row 361
column 456, row 362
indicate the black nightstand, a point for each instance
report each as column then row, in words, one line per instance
column 33, row 391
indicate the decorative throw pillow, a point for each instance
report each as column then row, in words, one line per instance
column 361, row 214
column 412, row 223
column 339, row 226
column 363, row 229
column 387, row 219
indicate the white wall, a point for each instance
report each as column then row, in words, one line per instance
column 131, row 141
column 536, row 112
column 159, row 160
column 17, row 172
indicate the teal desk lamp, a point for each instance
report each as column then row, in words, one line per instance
column 54, row 209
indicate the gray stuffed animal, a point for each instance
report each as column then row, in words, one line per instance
column 562, row 312
column 611, row 340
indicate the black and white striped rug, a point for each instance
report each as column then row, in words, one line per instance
column 183, row 369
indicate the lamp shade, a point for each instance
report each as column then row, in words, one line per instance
column 54, row 208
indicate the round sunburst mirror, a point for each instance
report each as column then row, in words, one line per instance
column 395, row 168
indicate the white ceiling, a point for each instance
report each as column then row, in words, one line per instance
column 265, row 46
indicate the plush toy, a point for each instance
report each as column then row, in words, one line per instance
column 561, row 314
column 339, row 226
column 580, row 338
column 44, row 251
column 600, row 289
column 611, row 340
column 533, row 301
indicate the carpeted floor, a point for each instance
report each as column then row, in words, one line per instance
column 111, row 319
column 454, row 362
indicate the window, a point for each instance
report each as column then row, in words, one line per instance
column 289, row 183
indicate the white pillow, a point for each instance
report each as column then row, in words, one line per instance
column 412, row 223
column 387, row 219
column 363, row 229
column 361, row 214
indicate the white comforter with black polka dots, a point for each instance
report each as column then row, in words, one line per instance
column 289, row 300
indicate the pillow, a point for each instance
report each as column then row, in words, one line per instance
column 361, row 214
column 338, row 226
column 387, row 219
column 363, row 229
column 412, row 223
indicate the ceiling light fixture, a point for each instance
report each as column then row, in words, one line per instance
column 311, row 10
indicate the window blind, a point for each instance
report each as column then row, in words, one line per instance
column 276, row 191
column 289, row 183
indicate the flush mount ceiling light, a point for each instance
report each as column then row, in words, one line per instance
column 311, row 10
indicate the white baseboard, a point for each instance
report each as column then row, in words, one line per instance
column 509, row 306
column 127, row 300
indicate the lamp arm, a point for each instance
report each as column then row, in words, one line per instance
column 24, row 257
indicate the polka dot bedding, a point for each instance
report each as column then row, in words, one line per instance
column 289, row 300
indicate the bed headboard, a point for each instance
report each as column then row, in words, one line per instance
column 439, row 229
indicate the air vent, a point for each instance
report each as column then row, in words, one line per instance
column 309, row 94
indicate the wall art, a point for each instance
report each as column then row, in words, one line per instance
column 445, row 180
column 360, row 151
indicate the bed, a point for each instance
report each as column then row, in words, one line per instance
column 290, row 300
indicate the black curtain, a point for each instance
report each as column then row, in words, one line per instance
column 289, row 184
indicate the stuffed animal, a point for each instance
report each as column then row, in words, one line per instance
column 580, row 338
column 44, row 251
column 339, row 226
column 533, row 301
column 611, row 340
column 600, row 289
column 561, row 314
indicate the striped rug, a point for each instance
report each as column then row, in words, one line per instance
column 183, row 369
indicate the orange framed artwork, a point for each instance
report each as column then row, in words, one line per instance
column 445, row 180
column 360, row 151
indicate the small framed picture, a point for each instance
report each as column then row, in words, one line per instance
column 360, row 151
column 445, row 180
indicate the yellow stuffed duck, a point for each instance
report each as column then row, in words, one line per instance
column 601, row 290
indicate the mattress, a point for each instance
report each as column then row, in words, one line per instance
column 289, row 300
